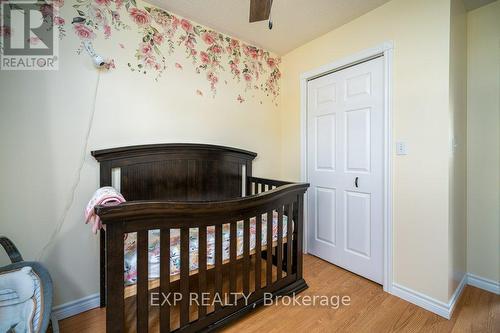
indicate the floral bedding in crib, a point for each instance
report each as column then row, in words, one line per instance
column 130, row 273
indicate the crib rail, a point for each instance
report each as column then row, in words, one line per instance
column 281, row 258
column 256, row 185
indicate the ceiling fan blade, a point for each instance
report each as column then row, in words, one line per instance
column 260, row 10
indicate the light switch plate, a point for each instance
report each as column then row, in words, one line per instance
column 401, row 148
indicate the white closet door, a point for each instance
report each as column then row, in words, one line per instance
column 345, row 168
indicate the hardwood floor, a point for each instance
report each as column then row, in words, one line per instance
column 370, row 310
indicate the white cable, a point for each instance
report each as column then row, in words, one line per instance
column 79, row 172
column 270, row 20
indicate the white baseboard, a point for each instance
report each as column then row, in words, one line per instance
column 75, row 307
column 433, row 305
column 483, row 283
column 456, row 295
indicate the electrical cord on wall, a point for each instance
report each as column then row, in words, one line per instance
column 78, row 174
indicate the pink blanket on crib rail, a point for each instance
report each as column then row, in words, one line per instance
column 104, row 196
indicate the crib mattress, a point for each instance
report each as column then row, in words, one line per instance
column 130, row 255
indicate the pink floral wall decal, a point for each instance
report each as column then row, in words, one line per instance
column 5, row 30
column 160, row 34
column 207, row 50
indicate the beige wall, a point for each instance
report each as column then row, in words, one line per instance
column 420, row 31
column 483, row 142
column 44, row 120
column 458, row 144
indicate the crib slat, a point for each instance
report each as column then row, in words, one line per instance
column 232, row 257
column 269, row 267
column 218, row 264
column 184, row 280
column 202, row 270
column 164, row 278
column 114, row 293
column 258, row 250
column 105, row 180
column 248, row 181
column 279, row 248
column 300, row 231
column 142, row 281
column 289, row 241
column 246, row 257
column 295, row 216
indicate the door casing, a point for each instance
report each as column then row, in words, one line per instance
column 385, row 50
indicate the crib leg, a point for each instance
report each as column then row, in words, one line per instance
column 102, row 263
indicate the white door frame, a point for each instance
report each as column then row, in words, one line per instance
column 385, row 50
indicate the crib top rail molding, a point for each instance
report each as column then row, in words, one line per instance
column 182, row 149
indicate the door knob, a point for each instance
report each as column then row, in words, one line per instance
column 356, row 182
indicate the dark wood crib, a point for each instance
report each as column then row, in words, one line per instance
column 203, row 187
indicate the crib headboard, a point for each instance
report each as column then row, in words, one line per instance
column 175, row 171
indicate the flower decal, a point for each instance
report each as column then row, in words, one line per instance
column 94, row 16
column 140, row 17
column 186, row 26
column 58, row 20
column 208, row 38
column 5, row 31
column 83, row 31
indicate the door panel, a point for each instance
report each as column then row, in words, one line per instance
column 325, row 215
column 357, row 221
column 325, row 141
column 345, row 168
column 326, row 94
column 358, row 140
column 358, row 85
